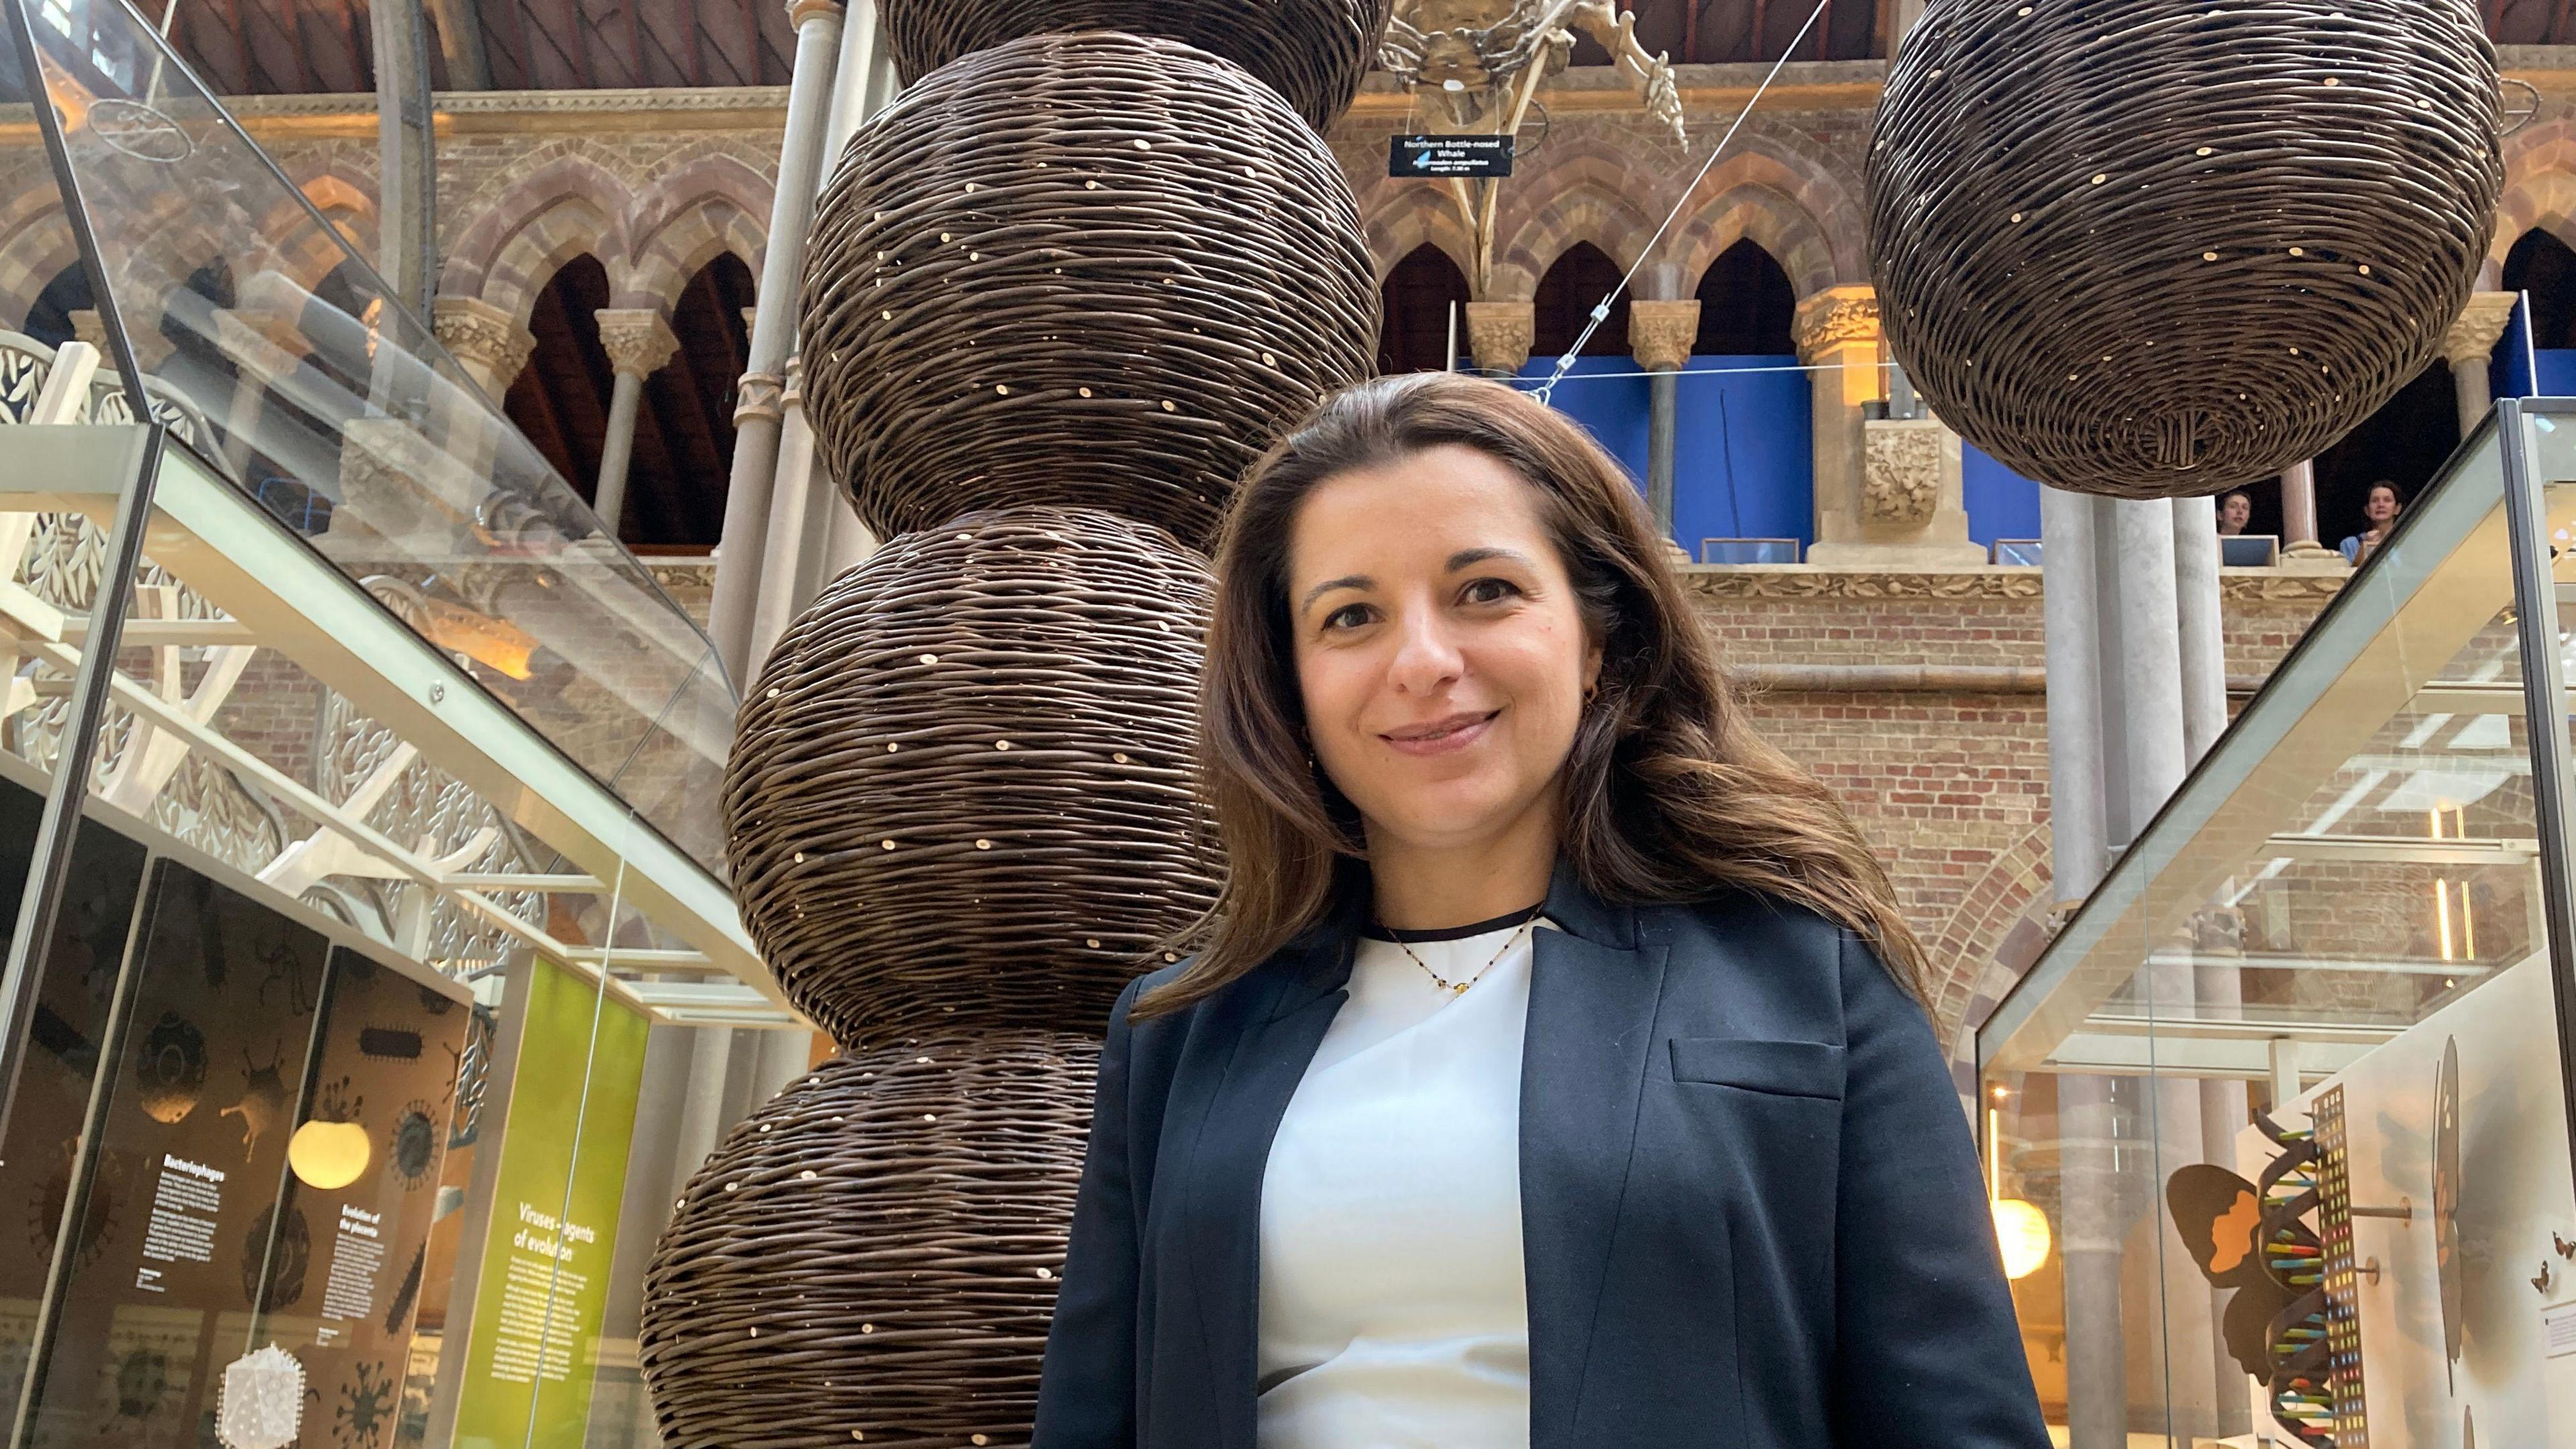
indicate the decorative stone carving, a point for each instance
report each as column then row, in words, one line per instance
column 1804, row 581
column 1660, row 334
column 2473, row 335
column 1902, row 473
column 1836, row 319
column 637, row 339
column 151, row 349
column 489, row 341
column 1499, row 335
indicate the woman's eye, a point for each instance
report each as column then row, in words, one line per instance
column 1348, row 616
column 1488, row 591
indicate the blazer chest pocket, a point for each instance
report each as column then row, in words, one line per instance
column 1782, row 1068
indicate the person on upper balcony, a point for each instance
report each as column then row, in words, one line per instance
column 2381, row 509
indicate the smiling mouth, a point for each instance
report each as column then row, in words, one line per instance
column 1441, row 729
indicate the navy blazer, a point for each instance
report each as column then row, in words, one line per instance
column 1750, row 1204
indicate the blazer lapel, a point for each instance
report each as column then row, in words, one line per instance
column 1593, row 993
column 1283, row 1022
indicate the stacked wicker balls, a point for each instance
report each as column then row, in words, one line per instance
column 1060, row 295
column 1091, row 269
column 2159, row 247
column 962, row 786
column 1312, row 52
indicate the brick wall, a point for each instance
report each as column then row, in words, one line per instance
column 1950, row 785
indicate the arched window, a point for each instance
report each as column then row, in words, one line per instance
column 49, row 321
column 1419, row 297
column 675, row 489
column 1746, row 306
column 2543, row 265
column 1566, row 297
column 560, row 399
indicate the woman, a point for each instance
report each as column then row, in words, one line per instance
column 1551, row 1070
column 2381, row 509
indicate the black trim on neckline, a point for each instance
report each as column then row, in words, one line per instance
column 1376, row 931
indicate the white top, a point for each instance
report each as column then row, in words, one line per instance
column 1394, row 1310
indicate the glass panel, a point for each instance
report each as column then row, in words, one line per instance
column 191, row 1238
column 2276, row 1125
column 37, row 1158
column 274, row 353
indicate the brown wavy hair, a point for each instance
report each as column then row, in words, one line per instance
column 1668, row 794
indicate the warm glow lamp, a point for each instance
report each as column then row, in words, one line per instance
column 2022, row 1231
column 328, row 1155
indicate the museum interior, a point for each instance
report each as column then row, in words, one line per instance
column 641, row 565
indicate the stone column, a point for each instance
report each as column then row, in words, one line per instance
column 1659, row 337
column 739, row 559
column 2469, row 346
column 1887, row 491
column 2300, row 546
column 1499, row 335
column 488, row 342
column 2204, row 657
column 639, row 343
column 791, row 515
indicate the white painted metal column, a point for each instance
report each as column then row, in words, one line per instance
column 757, row 419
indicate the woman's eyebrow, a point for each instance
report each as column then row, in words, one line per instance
column 1346, row 581
column 1469, row 557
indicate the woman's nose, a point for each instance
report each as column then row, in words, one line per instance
column 1426, row 658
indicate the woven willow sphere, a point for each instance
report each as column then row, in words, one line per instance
column 960, row 792
column 1084, row 269
column 874, row 1253
column 2153, row 248
column 1313, row 52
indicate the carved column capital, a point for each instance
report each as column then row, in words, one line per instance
column 637, row 339
column 2474, row 333
column 1660, row 334
column 1835, row 319
column 489, row 341
column 1499, row 335
column 151, row 349
column 800, row 11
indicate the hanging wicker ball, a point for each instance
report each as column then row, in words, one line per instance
column 872, row 1256
column 960, row 792
column 1085, row 269
column 2153, row 248
column 1313, row 52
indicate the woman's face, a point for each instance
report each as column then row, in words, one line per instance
column 2381, row 505
column 2234, row 512
column 1439, row 649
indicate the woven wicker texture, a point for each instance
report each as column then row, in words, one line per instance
column 2155, row 247
column 1083, row 269
column 872, row 1257
column 960, row 793
column 1313, row 52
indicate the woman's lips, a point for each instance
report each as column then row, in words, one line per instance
column 1442, row 737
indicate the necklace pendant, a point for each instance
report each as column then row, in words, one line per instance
column 1461, row 987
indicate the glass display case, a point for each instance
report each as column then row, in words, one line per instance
column 394, row 923
column 2278, row 1125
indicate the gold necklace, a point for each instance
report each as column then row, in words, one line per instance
column 1459, row 988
